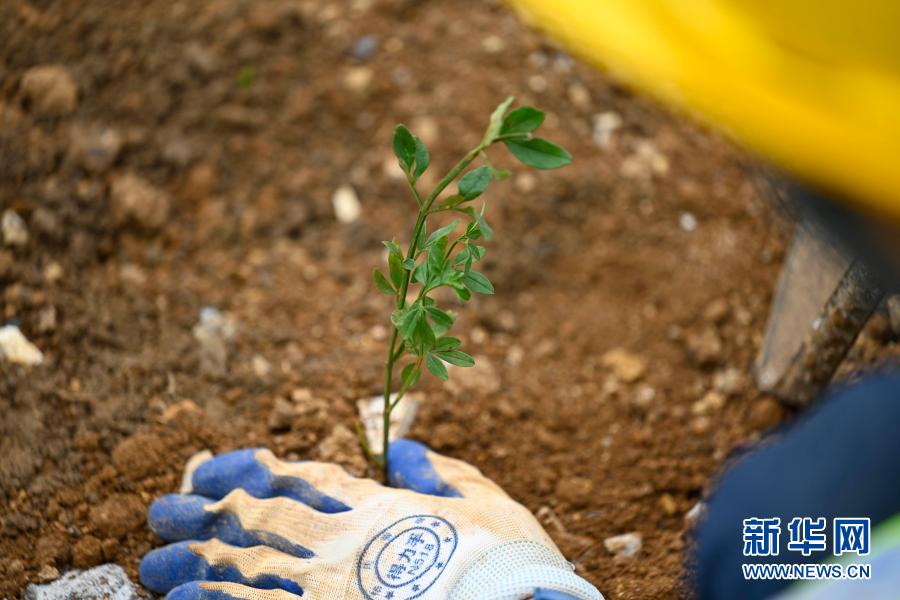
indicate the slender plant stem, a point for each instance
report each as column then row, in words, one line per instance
column 393, row 353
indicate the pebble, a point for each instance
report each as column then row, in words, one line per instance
column 579, row 96
column 15, row 232
column 525, row 182
column 712, row 401
column 717, row 311
column 48, row 573
column 766, row 413
column 136, row 201
column 364, row 47
column 493, row 44
column 427, row 129
column 281, row 417
column 50, row 89
column 213, row 332
column 626, row 545
column 574, row 491
column 626, row 366
column 605, row 124
column 731, row 381
column 94, row 148
column 53, row 272
column 346, row 204
column 261, row 366
column 704, row 348
column 15, row 348
column 358, row 79
column 687, row 221
column 645, row 161
column 106, row 581
column 667, row 504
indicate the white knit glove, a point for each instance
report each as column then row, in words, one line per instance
column 257, row 528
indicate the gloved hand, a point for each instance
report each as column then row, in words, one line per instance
column 258, row 528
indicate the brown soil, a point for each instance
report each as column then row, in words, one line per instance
column 247, row 115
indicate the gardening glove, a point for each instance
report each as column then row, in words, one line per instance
column 258, row 528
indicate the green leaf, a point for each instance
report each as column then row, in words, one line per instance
column 496, row 123
column 395, row 265
column 456, row 357
column 524, row 119
column 500, row 174
column 452, row 201
column 422, row 333
column 462, row 292
column 443, row 232
column 409, row 264
column 446, row 343
column 393, row 248
column 539, row 153
column 441, row 319
column 405, row 321
column 421, row 273
column 477, row 282
column 411, row 375
column 436, row 367
column 474, row 182
column 482, row 223
column 404, row 147
column 383, row 284
column 422, row 159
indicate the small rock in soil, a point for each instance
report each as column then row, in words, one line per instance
column 213, row 332
column 106, row 581
column 626, row 545
column 574, row 491
column 94, row 148
column 731, row 381
column 87, row 552
column 138, row 202
column 52, row 548
column 717, row 311
column 341, row 446
column 15, row 348
column 364, row 47
column 626, row 366
column 358, row 79
column 346, row 204
column 766, row 413
column 281, row 416
column 697, row 512
column 48, row 573
column 15, row 232
column 704, row 348
column 117, row 515
column 50, row 90
column 605, row 124
column 711, row 402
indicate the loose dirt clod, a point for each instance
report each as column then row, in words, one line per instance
column 50, row 89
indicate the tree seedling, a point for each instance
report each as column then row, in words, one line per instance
column 446, row 258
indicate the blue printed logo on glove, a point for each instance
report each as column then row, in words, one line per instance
column 403, row 560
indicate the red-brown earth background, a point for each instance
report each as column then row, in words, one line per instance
column 247, row 116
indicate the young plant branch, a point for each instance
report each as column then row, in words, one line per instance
column 419, row 329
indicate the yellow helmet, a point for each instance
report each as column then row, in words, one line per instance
column 814, row 85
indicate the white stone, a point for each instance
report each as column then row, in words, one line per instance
column 15, row 232
column 605, row 124
column 15, row 348
column 687, row 222
column 626, row 545
column 346, row 204
column 106, row 581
